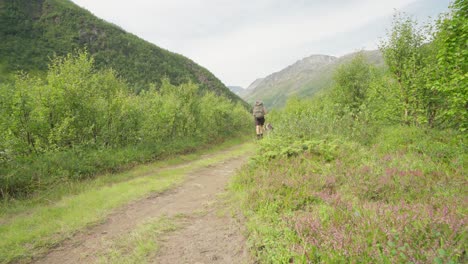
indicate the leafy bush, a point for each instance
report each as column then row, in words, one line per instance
column 79, row 121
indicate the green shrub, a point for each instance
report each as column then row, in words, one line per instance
column 77, row 122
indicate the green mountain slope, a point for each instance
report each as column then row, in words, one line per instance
column 33, row 31
column 302, row 79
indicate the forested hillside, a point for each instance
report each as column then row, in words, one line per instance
column 305, row 78
column 32, row 32
column 374, row 169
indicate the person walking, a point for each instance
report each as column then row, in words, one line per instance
column 259, row 113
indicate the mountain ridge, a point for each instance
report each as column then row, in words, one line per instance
column 303, row 78
column 255, row 84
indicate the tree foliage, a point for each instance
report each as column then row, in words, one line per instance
column 452, row 64
column 352, row 81
column 403, row 56
column 430, row 85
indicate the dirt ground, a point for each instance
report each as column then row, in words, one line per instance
column 208, row 236
column 212, row 238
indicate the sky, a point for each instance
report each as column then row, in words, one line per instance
column 242, row 40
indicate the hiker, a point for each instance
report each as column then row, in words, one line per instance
column 259, row 113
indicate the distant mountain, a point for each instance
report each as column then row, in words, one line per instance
column 237, row 90
column 303, row 78
column 254, row 85
column 33, row 31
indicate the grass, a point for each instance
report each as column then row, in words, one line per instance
column 140, row 245
column 400, row 199
column 31, row 228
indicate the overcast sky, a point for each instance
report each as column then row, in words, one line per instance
column 241, row 40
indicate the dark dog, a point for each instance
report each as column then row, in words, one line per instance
column 268, row 127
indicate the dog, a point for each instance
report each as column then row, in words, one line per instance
column 268, row 127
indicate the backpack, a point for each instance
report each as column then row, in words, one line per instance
column 258, row 110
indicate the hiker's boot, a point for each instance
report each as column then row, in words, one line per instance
column 259, row 136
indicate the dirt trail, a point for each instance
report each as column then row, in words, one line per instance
column 207, row 238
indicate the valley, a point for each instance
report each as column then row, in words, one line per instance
column 116, row 150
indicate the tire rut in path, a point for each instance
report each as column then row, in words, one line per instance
column 218, row 236
column 211, row 238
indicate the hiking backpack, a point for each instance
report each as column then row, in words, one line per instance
column 258, row 111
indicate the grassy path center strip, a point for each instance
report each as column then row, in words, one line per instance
column 140, row 245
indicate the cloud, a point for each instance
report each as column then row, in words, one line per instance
column 242, row 40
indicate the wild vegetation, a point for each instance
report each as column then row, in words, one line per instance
column 79, row 121
column 34, row 31
column 374, row 169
